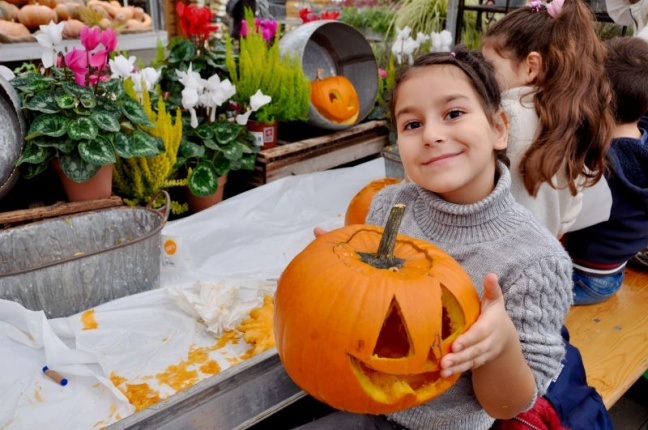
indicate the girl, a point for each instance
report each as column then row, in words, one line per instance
column 451, row 133
column 549, row 63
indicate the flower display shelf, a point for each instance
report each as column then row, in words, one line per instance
column 126, row 42
column 314, row 154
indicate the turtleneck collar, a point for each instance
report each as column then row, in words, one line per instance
column 444, row 221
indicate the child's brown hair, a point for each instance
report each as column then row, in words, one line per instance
column 572, row 94
column 627, row 70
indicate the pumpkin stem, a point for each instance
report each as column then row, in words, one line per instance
column 384, row 258
column 320, row 74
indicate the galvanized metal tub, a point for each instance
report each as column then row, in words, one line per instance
column 69, row 264
column 12, row 131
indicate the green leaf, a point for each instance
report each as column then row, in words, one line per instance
column 34, row 154
column 204, row 131
column 222, row 165
column 65, row 100
column 203, row 180
column 233, row 151
column 123, row 146
column 43, row 102
column 145, row 145
column 83, row 129
column 88, row 100
column 31, row 170
column 112, row 86
column 182, row 51
column 64, row 145
column 97, row 151
column 77, row 90
column 105, row 120
column 48, row 125
column 226, row 131
column 248, row 163
column 76, row 168
column 209, row 143
column 31, row 83
column 190, row 150
column 134, row 111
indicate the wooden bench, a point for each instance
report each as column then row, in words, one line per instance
column 613, row 337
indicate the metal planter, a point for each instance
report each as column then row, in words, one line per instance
column 69, row 264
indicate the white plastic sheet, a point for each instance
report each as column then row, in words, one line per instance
column 250, row 237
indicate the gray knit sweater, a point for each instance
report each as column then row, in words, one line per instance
column 493, row 235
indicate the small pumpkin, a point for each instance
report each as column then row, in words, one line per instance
column 360, row 203
column 335, row 98
column 8, row 11
column 13, row 29
column 33, row 16
column 364, row 331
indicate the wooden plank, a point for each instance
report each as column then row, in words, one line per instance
column 291, row 149
column 58, row 209
column 328, row 159
column 613, row 337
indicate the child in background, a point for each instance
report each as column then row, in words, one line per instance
column 549, row 63
column 451, row 133
column 600, row 252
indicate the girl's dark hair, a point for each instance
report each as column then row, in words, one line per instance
column 572, row 95
column 627, row 70
column 474, row 65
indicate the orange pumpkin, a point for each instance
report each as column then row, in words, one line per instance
column 364, row 331
column 360, row 203
column 33, row 16
column 336, row 99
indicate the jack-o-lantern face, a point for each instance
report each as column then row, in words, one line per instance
column 367, row 339
column 336, row 99
column 360, row 203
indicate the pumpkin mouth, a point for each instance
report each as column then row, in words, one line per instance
column 388, row 389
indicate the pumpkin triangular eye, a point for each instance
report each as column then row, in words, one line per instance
column 334, row 96
column 393, row 340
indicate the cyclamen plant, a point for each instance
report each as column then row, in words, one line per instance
column 77, row 112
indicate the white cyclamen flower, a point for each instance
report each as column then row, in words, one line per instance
column 222, row 92
column 122, row 67
column 191, row 79
column 6, row 73
column 441, row 42
column 242, row 119
column 258, row 100
column 50, row 37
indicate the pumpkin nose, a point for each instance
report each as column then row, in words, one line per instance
column 334, row 96
column 393, row 340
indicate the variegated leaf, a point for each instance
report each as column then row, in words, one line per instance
column 48, row 125
column 43, row 102
column 83, row 129
column 76, row 168
column 144, row 145
column 203, row 180
column 133, row 110
column 105, row 120
column 123, row 145
column 97, row 151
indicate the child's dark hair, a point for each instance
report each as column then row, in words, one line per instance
column 474, row 65
column 572, row 95
column 627, row 70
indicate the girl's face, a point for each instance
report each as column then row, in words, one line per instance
column 445, row 140
column 510, row 74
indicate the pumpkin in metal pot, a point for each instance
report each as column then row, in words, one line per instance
column 335, row 98
column 360, row 203
column 364, row 331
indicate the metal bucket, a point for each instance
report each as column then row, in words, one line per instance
column 69, row 264
column 12, row 132
column 340, row 50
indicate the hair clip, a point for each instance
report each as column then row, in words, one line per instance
column 536, row 5
column 555, row 8
column 454, row 54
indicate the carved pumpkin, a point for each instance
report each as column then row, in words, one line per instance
column 360, row 203
column 364, row 331
column 335, row 98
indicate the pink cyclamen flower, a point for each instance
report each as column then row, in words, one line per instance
column 109, row 39
column 99, row 59
column 243, row 31
column 76, row 60
column 90, row 37
column 382, row 73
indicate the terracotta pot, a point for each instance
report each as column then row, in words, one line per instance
column 97, row 187
column 265, row 134
column 197, row 204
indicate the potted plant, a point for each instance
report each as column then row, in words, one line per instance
column 194, row 78
column 79, row 117
column 257, row 65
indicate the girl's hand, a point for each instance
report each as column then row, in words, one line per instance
column 487, row 338
column 317, row 231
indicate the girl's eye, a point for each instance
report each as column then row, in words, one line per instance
column 411, row 125
column 455, row 113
